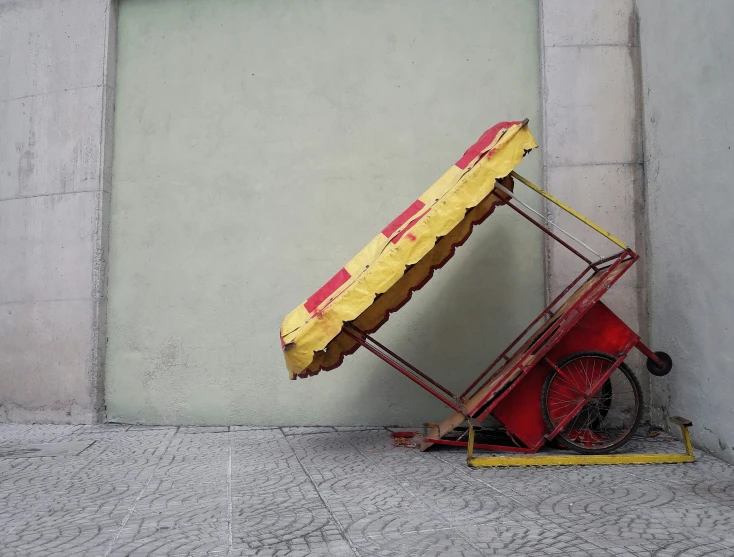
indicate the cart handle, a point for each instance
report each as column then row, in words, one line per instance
column 568, row 209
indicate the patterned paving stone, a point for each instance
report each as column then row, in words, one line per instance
column 301, row 499
column 296, row 492
column 203, row 429
column 714, row 522
column 55, row 540
column 629, row 529
column 462, row 503
column 692, row 547
column 627, row 491
column 322, row 549
column 42, row 450
column 528, row 538
column 438, row 543
column 24, row 433
column 286, row 528
column 177, row 536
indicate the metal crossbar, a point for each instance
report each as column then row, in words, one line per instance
column 546, row 219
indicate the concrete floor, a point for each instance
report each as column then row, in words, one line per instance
column 129, row 491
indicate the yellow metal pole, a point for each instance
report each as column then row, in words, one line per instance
column 470, row 445
column 687, row 440
column 568, row 209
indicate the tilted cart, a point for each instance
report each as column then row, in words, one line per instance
column 563, row 380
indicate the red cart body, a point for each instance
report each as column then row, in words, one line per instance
column 599, row 329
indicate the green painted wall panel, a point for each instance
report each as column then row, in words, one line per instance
column 258, row 146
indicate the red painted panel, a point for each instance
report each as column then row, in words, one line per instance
column 403, row 217
column 520, row 411
column 599, row 330
column 482, row 143
column 327, row 290
column 410, row 225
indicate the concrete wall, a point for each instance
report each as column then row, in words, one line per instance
column 258, row 146
column 592, row 145
column 56, row 93
column 688, row 79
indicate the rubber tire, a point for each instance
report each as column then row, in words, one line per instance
column 660, row 371
column 635, row 385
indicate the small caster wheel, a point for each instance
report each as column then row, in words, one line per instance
column 666, row 364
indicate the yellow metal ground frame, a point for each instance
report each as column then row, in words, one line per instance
column 580, row 459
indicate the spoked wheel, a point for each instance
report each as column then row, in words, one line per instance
column 608, row 418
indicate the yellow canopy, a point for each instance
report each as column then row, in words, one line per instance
column 401, row 259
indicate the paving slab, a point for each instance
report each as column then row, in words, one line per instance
column 116, row 490
column 27, row 450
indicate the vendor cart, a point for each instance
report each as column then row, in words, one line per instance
column 562, row 381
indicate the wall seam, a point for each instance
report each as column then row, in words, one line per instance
column 47, row 93
column 575, row 96
column 575, row 165
column 99, row 264
column 59, row 194
column 545, row 243
column 621, row 45
column 56, row 301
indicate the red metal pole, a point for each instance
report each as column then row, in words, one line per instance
column 405, row 363
column 537, row 346
column 592, row 391
column 647, row 352
column 547, row 310
column 452, row 443
column 568, row 378
column 448, row 402
column 602, row 261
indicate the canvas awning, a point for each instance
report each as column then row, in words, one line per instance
column 381, row 278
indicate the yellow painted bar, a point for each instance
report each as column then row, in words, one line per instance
column 577, row 460
column 687, row 441
column 684, row 425
column 568, row 209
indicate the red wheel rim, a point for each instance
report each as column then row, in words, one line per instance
column 607, row 415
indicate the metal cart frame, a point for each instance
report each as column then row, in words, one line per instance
column 510, row 387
